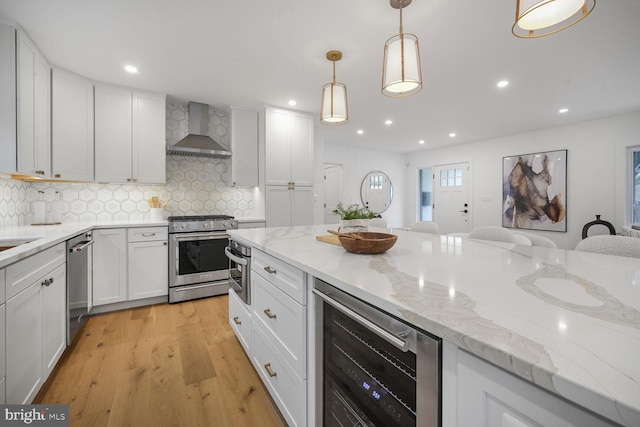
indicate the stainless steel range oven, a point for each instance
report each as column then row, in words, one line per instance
column 374, row 369
column 198, row 266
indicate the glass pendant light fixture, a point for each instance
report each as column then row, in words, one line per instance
column 334, row 109
column 401, row 73
column 537, row 18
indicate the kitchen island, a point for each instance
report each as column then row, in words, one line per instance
column 566, row 321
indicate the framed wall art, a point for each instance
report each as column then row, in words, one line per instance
column 534, row 190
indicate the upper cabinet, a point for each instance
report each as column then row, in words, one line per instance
column 34, row 128
column 71, row 126
column 8, row 98
column 244, row 146
column 288, row 148
column 129, row 135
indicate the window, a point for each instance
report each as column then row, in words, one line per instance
column 451, row 177
column 635, row 184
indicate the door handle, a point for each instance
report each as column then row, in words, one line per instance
column 465, row 211
column 269, row 371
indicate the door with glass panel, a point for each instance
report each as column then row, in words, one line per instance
column 451, row 207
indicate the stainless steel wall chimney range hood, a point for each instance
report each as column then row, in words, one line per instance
column 198, row 143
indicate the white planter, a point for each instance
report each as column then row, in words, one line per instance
column 353, row 225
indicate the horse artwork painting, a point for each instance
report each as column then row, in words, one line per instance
column 534, row 191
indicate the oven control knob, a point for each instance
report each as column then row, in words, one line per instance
column 205, row 225
column 183, row 226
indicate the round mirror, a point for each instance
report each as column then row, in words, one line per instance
column 376, row 192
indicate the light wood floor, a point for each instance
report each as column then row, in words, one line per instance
column 161, row 365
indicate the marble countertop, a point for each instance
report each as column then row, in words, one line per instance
column 567, row 321
column 44, row 236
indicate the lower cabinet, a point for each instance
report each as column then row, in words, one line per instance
column 488, row 396
column 130, row 264
column 241, row 322
column 2, row 349
column 35, row 324
column 288, row 206
column 109, row 266
column 272, row 330
column 148, row 262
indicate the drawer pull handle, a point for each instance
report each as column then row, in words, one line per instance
column 237, row 320
column 148, row 234
column 269, row 371
column 270, row 270
column 269, row 314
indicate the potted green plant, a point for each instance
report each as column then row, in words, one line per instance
column 353, row 218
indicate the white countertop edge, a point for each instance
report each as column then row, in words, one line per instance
column 604, row 405
column 47, row 236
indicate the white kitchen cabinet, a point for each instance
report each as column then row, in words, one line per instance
column 288, row 148
column 129, row 135
column 3, row 329
column 8, row 99
column 287, row 206
column 109, row 266
column 286, row 388
column 488, row 396
column 35, row 322
column 241, row 322
column 274, row 332
column 149, row 137
column 34, row 126
column 148, row 262
column 2, row 351
column 72, row 142
column 244, row 147
column 53, row 297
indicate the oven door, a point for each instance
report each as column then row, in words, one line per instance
column 197, row 258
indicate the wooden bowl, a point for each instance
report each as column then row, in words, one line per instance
column 371, row 242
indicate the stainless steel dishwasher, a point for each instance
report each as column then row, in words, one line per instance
column 79, row 282
column 373, row 369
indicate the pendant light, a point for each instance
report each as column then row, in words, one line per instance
column 334, row 109
column 537, row 18
column 401, row 74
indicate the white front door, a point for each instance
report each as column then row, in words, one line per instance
column 451, row 197
column 332, row 179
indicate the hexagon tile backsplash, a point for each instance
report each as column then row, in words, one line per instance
column 194, row 186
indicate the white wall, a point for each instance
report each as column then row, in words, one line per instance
column 595, row 171
column 357, row 162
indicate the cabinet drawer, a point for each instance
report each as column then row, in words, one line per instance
column 285, row 322
column 23, row 273
column 285, row 277
column 241, row 322
column 145, row 234
column 285, row 387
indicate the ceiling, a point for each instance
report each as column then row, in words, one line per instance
column 253, row 53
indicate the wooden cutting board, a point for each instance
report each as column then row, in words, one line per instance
column 329, row 238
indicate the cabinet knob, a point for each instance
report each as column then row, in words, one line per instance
column 269, row 314
column 128, row 179
column 237, row 320
column 57, row 176
column 269, row 371
column 135, row 179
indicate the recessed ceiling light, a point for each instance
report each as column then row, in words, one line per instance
column 452, row 135
column 563, row 110
column 421, row 141
column 503, row 83
column 360, row 132
column 292, row 102
column 388, row 122
column 130, row 69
